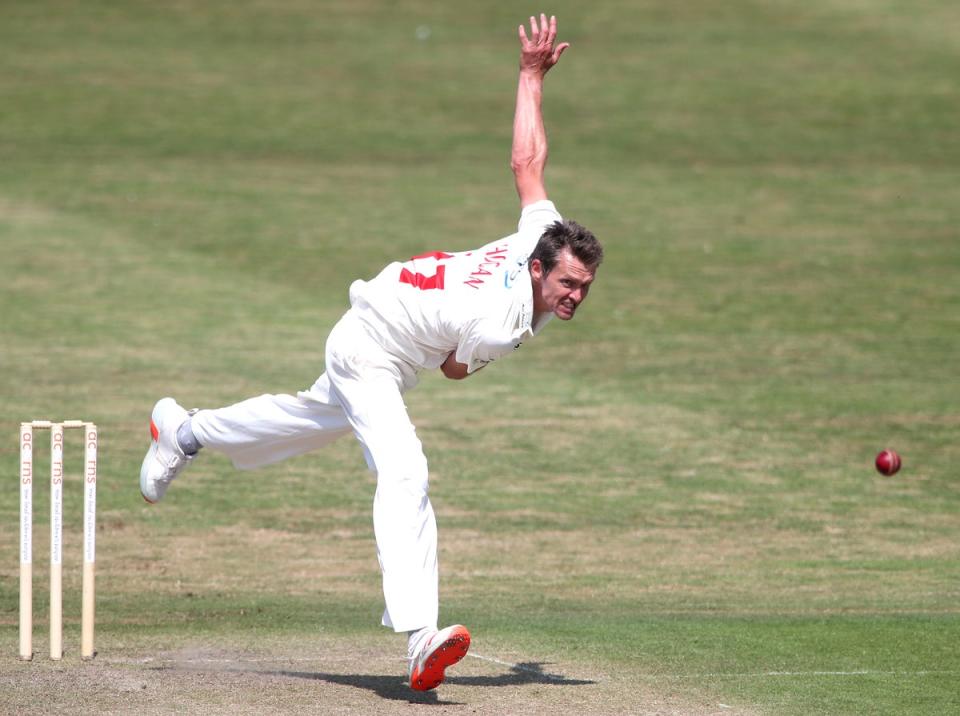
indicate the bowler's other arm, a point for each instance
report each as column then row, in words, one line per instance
column 528, row 158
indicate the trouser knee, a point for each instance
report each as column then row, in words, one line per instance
column 409, row 487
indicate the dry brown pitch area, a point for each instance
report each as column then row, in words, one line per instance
column 328, row 677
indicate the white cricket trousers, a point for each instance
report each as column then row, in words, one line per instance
column 361, row 392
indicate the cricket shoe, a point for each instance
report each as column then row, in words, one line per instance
column 164, row 459
column 443, row 649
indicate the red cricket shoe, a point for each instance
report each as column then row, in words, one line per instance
column 444, row 648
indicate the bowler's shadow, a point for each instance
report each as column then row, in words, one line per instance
column 396, row 689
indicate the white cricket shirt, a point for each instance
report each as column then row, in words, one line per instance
column 478, row 303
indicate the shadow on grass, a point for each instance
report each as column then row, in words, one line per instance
column 395, row 689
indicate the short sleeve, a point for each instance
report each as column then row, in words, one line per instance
column 536, row 217
column 484, row 341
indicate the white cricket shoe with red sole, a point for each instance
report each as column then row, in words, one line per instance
column 442, row 650
column 164, row 459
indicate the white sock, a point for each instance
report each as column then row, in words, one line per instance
column 417, row 639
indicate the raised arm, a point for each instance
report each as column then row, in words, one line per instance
column 528, row 158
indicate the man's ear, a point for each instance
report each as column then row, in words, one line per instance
column 536, row 270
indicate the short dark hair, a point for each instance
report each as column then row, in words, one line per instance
column 567, row 234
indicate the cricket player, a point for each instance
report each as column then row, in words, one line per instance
column 452, row 310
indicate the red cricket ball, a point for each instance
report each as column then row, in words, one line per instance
column 888, row 462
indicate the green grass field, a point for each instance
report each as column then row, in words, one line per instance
column 666, row 506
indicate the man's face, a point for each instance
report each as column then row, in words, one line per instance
column 564, row 288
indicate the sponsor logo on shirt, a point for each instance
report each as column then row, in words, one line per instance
column 510, row 276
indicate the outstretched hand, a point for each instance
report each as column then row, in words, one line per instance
column 537, row 52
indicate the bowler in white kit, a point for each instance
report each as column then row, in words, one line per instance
column 452, row 310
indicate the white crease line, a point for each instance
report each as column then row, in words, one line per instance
column 517, row 667
column 860, row 672
column 864, row 672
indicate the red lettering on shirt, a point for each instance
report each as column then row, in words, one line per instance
column 492, row 258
